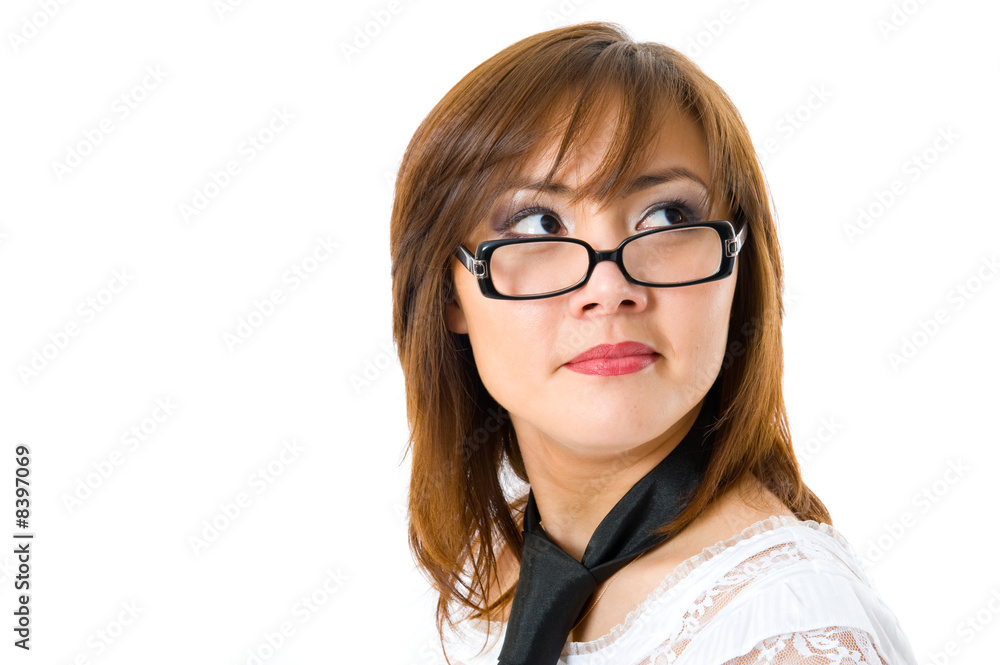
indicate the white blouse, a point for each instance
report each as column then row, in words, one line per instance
column 782, row 591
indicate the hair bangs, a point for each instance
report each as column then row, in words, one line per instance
column 626, row 89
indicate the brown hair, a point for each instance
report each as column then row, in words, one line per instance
column 462, row 156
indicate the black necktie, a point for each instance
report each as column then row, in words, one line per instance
column 553, row 587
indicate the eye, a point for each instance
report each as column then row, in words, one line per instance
column 537, row 223
column 668, row 214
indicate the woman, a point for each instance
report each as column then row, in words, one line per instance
column 587, row 299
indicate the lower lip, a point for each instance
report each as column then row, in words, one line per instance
column 613, row 366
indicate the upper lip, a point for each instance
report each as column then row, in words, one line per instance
column 620, row 350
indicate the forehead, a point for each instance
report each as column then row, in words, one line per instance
column 607, row 159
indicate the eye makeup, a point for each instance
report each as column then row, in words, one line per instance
column 691, row 211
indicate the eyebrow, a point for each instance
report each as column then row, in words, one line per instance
column 641, row 182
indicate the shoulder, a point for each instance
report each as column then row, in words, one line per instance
column 781, row 590
column 792, row 587
column 776, row 559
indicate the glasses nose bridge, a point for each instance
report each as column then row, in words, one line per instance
column 613, row 255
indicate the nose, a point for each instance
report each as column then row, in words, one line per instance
column 608, row 290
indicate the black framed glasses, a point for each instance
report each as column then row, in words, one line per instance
column 676, row 255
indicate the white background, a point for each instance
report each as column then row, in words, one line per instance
column 873, row 434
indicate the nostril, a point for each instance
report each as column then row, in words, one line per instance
column 592, row 305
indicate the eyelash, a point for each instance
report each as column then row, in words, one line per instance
column 505, row 227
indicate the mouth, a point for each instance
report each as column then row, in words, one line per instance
column 613, row 359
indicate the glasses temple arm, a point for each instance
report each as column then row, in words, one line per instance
column 734, row 246
column 467, row 259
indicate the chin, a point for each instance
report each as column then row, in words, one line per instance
column 609, row 436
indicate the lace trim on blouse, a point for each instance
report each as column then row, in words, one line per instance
column 690, row 565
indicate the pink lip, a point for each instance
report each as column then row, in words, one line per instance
column 613, row 359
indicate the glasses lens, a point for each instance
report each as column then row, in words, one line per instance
column 537, row 268
column 674, row 256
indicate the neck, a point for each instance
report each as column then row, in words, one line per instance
column 575, row 491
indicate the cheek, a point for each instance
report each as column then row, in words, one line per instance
column 510, row 343
column 697, row 320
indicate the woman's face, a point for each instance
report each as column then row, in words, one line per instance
column 524, row 349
